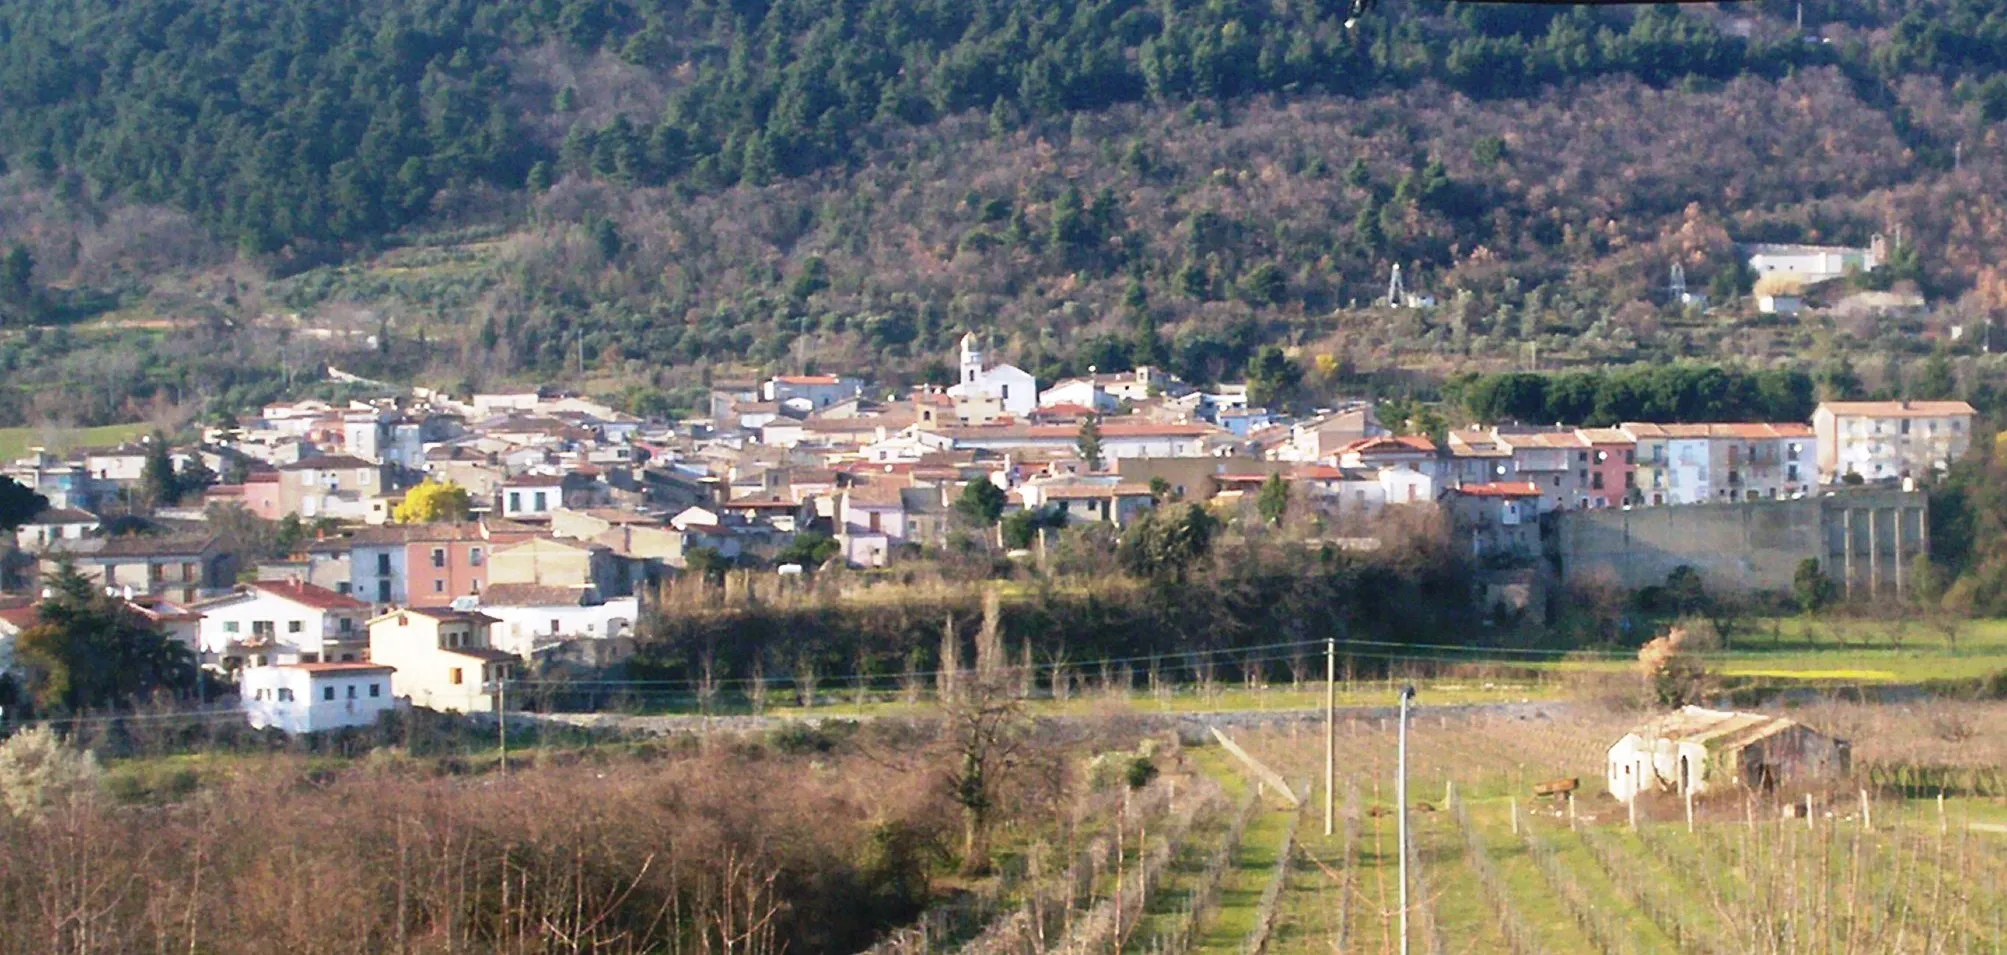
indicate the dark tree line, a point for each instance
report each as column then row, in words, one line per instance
column 1662, row 394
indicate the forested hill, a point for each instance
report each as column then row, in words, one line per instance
column 635, row 189
column 280, row 120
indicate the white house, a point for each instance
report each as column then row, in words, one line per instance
column 532, row 617
column 312, row 697
column 1812, row 264
column 1009, row 384
column 282, row 621
column 54, row 524
column 1085, row 392
column 820, row 391
column 532, row 495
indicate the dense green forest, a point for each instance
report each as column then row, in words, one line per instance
column 632, row 191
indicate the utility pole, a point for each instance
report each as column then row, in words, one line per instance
column 1401, row 810
column 502, row 718
column 1330, row 727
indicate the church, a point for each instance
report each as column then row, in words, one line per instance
column 1013, row 387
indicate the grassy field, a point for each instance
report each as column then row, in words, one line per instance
column 15, row 442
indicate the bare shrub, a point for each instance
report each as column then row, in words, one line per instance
column 39, row 772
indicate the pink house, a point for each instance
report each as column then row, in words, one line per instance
column 1613, row 467
column 261, row 495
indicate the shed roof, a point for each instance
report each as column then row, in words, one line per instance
column 1714, row 729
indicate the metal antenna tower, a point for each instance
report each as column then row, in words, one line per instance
column 1397, row 292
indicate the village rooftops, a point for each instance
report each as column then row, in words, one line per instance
column 441, row 614
column 136, row 546
column 1897, row 409
column 1391, row 444
column 1606, row 436
column 339, row 668
column 1500, row 489
column 535, row 480
column 63, row 515
column 1094, row 492
column 535, row 595
column 1736, row 430
column 328, row 462
column 1109, row 429
column 300, row 592
column 1543, row 439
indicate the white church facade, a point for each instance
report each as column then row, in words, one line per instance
column 1011, row 386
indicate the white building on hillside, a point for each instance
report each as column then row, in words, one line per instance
column 282, row 621
column 1012, row 385
column 311, row 697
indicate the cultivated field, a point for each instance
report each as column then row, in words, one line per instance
column 1499, row 870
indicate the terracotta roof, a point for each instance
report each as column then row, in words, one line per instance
column 809, row 379
column 1501, row 489
column 63, row 515
column 21, row 618
column 441, row 614
column 1390, row 444
column 327, row 462
column 1721, row 729
column 137, row 545
column 1605, row 436
column 1095, row 492
column 1898, row 409
column 1544, row 439
column 1069, row 433
column 337, row 668
column 534, row 480
column 534, row 595
column 319, row 598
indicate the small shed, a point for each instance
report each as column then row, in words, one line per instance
column 1701, row 750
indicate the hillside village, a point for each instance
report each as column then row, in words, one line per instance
column 575, row 513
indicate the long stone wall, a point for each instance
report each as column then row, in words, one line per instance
column 1866, row 540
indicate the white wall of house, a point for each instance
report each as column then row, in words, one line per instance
column 522, row 629
column 295, row 628
column 307, row 700
column 539, row 501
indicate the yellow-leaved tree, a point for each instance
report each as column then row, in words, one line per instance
column 433, row 501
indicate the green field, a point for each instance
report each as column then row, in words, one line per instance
column 1844, row 651
column 15, row 442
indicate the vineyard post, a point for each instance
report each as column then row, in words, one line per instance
column 1631, row 810
column 1330, row 728
column 1689, row 810
column 1942, row 828
column 1571, row 812
column 1808, row 810
column 1867, row 813
column 1515, row 816
column 1401, row 809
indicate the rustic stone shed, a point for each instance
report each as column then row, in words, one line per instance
column 1702, row 750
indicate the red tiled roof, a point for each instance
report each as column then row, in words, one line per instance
column 1501, row 489
column 1898, row 409
column 347, row 667
column 1390, row 444
column 319, row 598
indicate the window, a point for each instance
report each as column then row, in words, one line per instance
column 457, row 677
column 229, row 626
column 474, row 556
column 1596, row 481
column 285, row 695
column 375, row 690
column 515, row 500
column 347, row 625
column 263, row 628
column 188, row 572
column 310, row 658
column 1630, row 457
column 351, row 691
column 362, row 477
column 296, row 626
column 327, row 693
column 383, row 592
column 383, row 565
column 541, row 505
column 554, row 626
column 438, row 557
column 1006, row 392
column 438, row 585
column 1905, row 425
column 342, row 587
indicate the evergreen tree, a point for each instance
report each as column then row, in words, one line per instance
column 157, row 486
column 1088, row 443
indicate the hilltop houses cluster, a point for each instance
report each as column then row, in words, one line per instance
column 579, row 510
